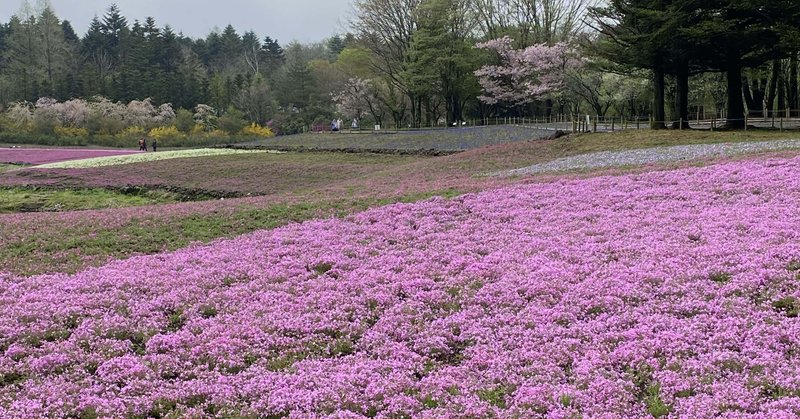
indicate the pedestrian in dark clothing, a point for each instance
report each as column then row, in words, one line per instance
column 142, row 145
column 155, row 143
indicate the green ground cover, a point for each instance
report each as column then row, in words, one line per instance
column 7, row 167
column 460, row 139
column 38, row 199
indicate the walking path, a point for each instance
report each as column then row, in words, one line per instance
column 650, row 155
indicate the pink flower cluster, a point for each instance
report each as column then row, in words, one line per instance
column 525, row 75
column 52, row 155
column 650, row 294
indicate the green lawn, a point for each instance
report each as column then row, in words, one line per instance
column 7, row 167
column 37, row 199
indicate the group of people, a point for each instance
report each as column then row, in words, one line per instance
column 143, row 144
column 336, row 124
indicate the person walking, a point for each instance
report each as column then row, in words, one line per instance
column 155, row 144
column 142, row 146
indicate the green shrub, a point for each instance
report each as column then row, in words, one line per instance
column 184, row 121
column 232, row 122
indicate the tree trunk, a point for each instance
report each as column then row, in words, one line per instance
column 682, row 99
column 794, row 103
column 735, row 110
column 755, row 92
column 773, row 86
column 747, row 91
column 658, row 100
column 781, row 95
column 455, row 106
column 428, row 112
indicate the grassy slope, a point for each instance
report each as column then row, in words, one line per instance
column 7, row 167
column 256, row 173
column 436, row 139
column 294, row 187
column 22, row 200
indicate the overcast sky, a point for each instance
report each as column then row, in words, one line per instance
column 284, row 20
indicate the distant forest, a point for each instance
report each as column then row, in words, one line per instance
column 410, row 63
column 42, row 56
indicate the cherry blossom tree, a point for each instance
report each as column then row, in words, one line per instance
column 142, row 113
column 164, row 115
column 20, row 115
column 139, row 112
column 525, row 75
column 357, row 98
column 104, row 107
column 206, row 116
column 73, row 113
column 45, row 114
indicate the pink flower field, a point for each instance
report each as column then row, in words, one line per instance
column 664, row 293
column 52, row 155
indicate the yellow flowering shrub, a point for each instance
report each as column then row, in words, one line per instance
column 131, row 132
column 216, row 133
column 70, row 131
column 258, row 131
column 165, row 132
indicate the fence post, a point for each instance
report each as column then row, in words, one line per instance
column 680, row 124
column 574, row 127
column 781, row 123
column 745, row 122
column 637, row 122
column 612, row 124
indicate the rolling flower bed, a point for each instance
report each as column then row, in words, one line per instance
column 665, row 293
column 52, row 155
column 113, row 160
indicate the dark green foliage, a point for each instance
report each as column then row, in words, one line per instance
column 496, row 396
column 335, row 46
column 175, row 320
column 322, row 267
column 789, row 306
column 720, row 277
column 127, row 61
column 683, row 37
column 793, row 266
column 184, row 120
column 208, row 311
column 232, row 122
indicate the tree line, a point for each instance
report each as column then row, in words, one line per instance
column 429, row 62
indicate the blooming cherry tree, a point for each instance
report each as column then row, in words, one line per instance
column 20, row 115
column 73, row 112
column 524, row 75
column 355, row 99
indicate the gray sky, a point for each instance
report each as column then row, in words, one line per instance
column 284, row 20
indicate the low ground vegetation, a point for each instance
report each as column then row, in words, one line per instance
column 283, row 188
column 638, row 291
column 648, row 294
column 33, row 199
